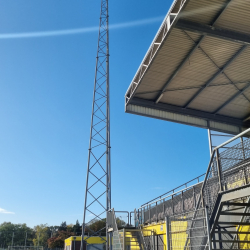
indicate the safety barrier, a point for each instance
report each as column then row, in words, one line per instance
column 181, row 199
column 188, row 231
column 227, row 170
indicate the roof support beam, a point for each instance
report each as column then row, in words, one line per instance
column 179, row 68
column 188, row 112
column 213, row 31
column 232, row 98
column 191, row 52
column 215, row 76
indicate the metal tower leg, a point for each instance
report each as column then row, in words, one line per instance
column 98, row 182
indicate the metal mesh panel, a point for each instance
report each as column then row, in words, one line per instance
column 212, row 187
column 234, row 166
column 188, row 231
column 146, row 215
column 153, row 214
column 159, row 242
column 160, row 211
column 148, row 242
column 117, row 240
column 117, row 235
column 178, row 203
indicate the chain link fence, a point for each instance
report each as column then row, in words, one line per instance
column 188, row 231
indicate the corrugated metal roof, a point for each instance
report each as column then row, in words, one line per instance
column 198, row 66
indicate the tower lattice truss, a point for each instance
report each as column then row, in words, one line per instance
column 98, row 183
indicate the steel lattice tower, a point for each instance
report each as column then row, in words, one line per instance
column 98, row 183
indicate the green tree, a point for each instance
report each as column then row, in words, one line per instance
column 17, row 232
column 63, row 226
column 100, row 225
column 58, row 241
column 96, row 225
column 52, row 231
column 41, row 235
column 120, row 223
column 77, row 229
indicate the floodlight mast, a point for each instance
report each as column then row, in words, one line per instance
column 98, row 182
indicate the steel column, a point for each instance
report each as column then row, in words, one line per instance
column 208, row 229
column 124, row 232
column 219, row 169
column 167, row 233
column 210, row 141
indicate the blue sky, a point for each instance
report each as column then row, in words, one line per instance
column 45, row 108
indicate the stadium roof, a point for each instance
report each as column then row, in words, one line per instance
column 197, row 69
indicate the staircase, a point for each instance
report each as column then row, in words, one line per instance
column 118, row 242
column 230, row 224
column 226, row 193
column 139, row 233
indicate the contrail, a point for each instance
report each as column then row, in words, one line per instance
column 79, row 30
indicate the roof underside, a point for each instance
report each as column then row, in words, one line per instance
column 197, row 69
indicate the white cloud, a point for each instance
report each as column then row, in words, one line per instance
column 3, row 211
column 80, row 30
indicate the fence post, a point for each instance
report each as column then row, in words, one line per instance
column 219, row 169
column 208, row 229
column 153, row 239
column 141, row 216
column 172, row 204
column 244, row 157
column 149, row 208
column 124, row 239
column 156, row 212
column 167, row 233
column 243, row 150
column 182, row 202
column 163, row 207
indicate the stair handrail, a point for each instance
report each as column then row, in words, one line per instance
column 216, row 150
column 140, row 228
column 232, row 139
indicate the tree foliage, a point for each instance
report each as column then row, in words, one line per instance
column 47, row 236
column 58, row 241
column 17, row 232
column 41, row 235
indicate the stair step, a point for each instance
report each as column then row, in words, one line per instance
column 237, row 214
column 232, row 241
column 231, row 232
column 234, row 223
column 236, row 204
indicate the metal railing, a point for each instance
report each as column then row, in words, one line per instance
column 184, row 185
column 227, row 170
column 118, row 240
column 185, row 232
column 173, row 202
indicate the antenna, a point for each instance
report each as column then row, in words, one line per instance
column 98, row 182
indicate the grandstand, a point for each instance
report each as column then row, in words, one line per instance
column 196, row 72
